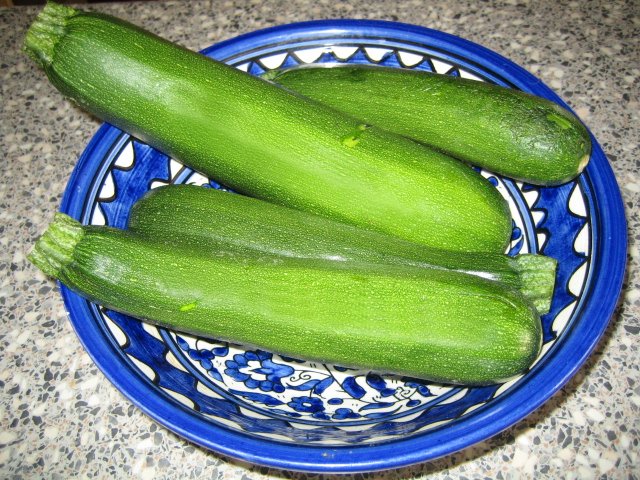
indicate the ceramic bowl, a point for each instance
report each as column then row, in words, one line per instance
column 290, row 414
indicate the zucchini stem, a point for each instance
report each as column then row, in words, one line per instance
column 537, row 278
column 54, row 249
column 45, row 32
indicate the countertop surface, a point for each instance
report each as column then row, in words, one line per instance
column 60, row 417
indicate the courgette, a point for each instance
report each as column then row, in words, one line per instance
column 262, row 140
column 427, row 323
column 503, row 130
column 213, row 220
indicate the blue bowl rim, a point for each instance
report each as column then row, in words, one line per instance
column 505, row 411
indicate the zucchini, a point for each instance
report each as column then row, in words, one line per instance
column 503, row 130
column 427, row 323
column 216, row 220
column 262, row 140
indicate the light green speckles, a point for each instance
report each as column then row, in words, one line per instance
column 559, row 120
column 188, row 307
column 353, row 139
column 350, row 141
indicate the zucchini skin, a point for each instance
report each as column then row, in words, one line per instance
column 427, row 323
column 212, row 220
column 503, row 130
column 262, row 140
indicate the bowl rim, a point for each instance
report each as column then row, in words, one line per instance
column 541, row 383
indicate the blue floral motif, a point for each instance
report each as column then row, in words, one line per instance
column 266, row 376
column 422, row 388
column 204, row 356
column 213, row 371
column 344, row 414
column 377, row 382
column 307, row 404
column 314, row 385
column 350, row 386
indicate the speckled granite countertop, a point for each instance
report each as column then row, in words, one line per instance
column 59, row 416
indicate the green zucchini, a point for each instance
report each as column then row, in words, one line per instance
column 262, row 140
column 503, row 130
column 427, row 323
column 216, row 220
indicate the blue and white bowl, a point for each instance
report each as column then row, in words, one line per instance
column 285, row 413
